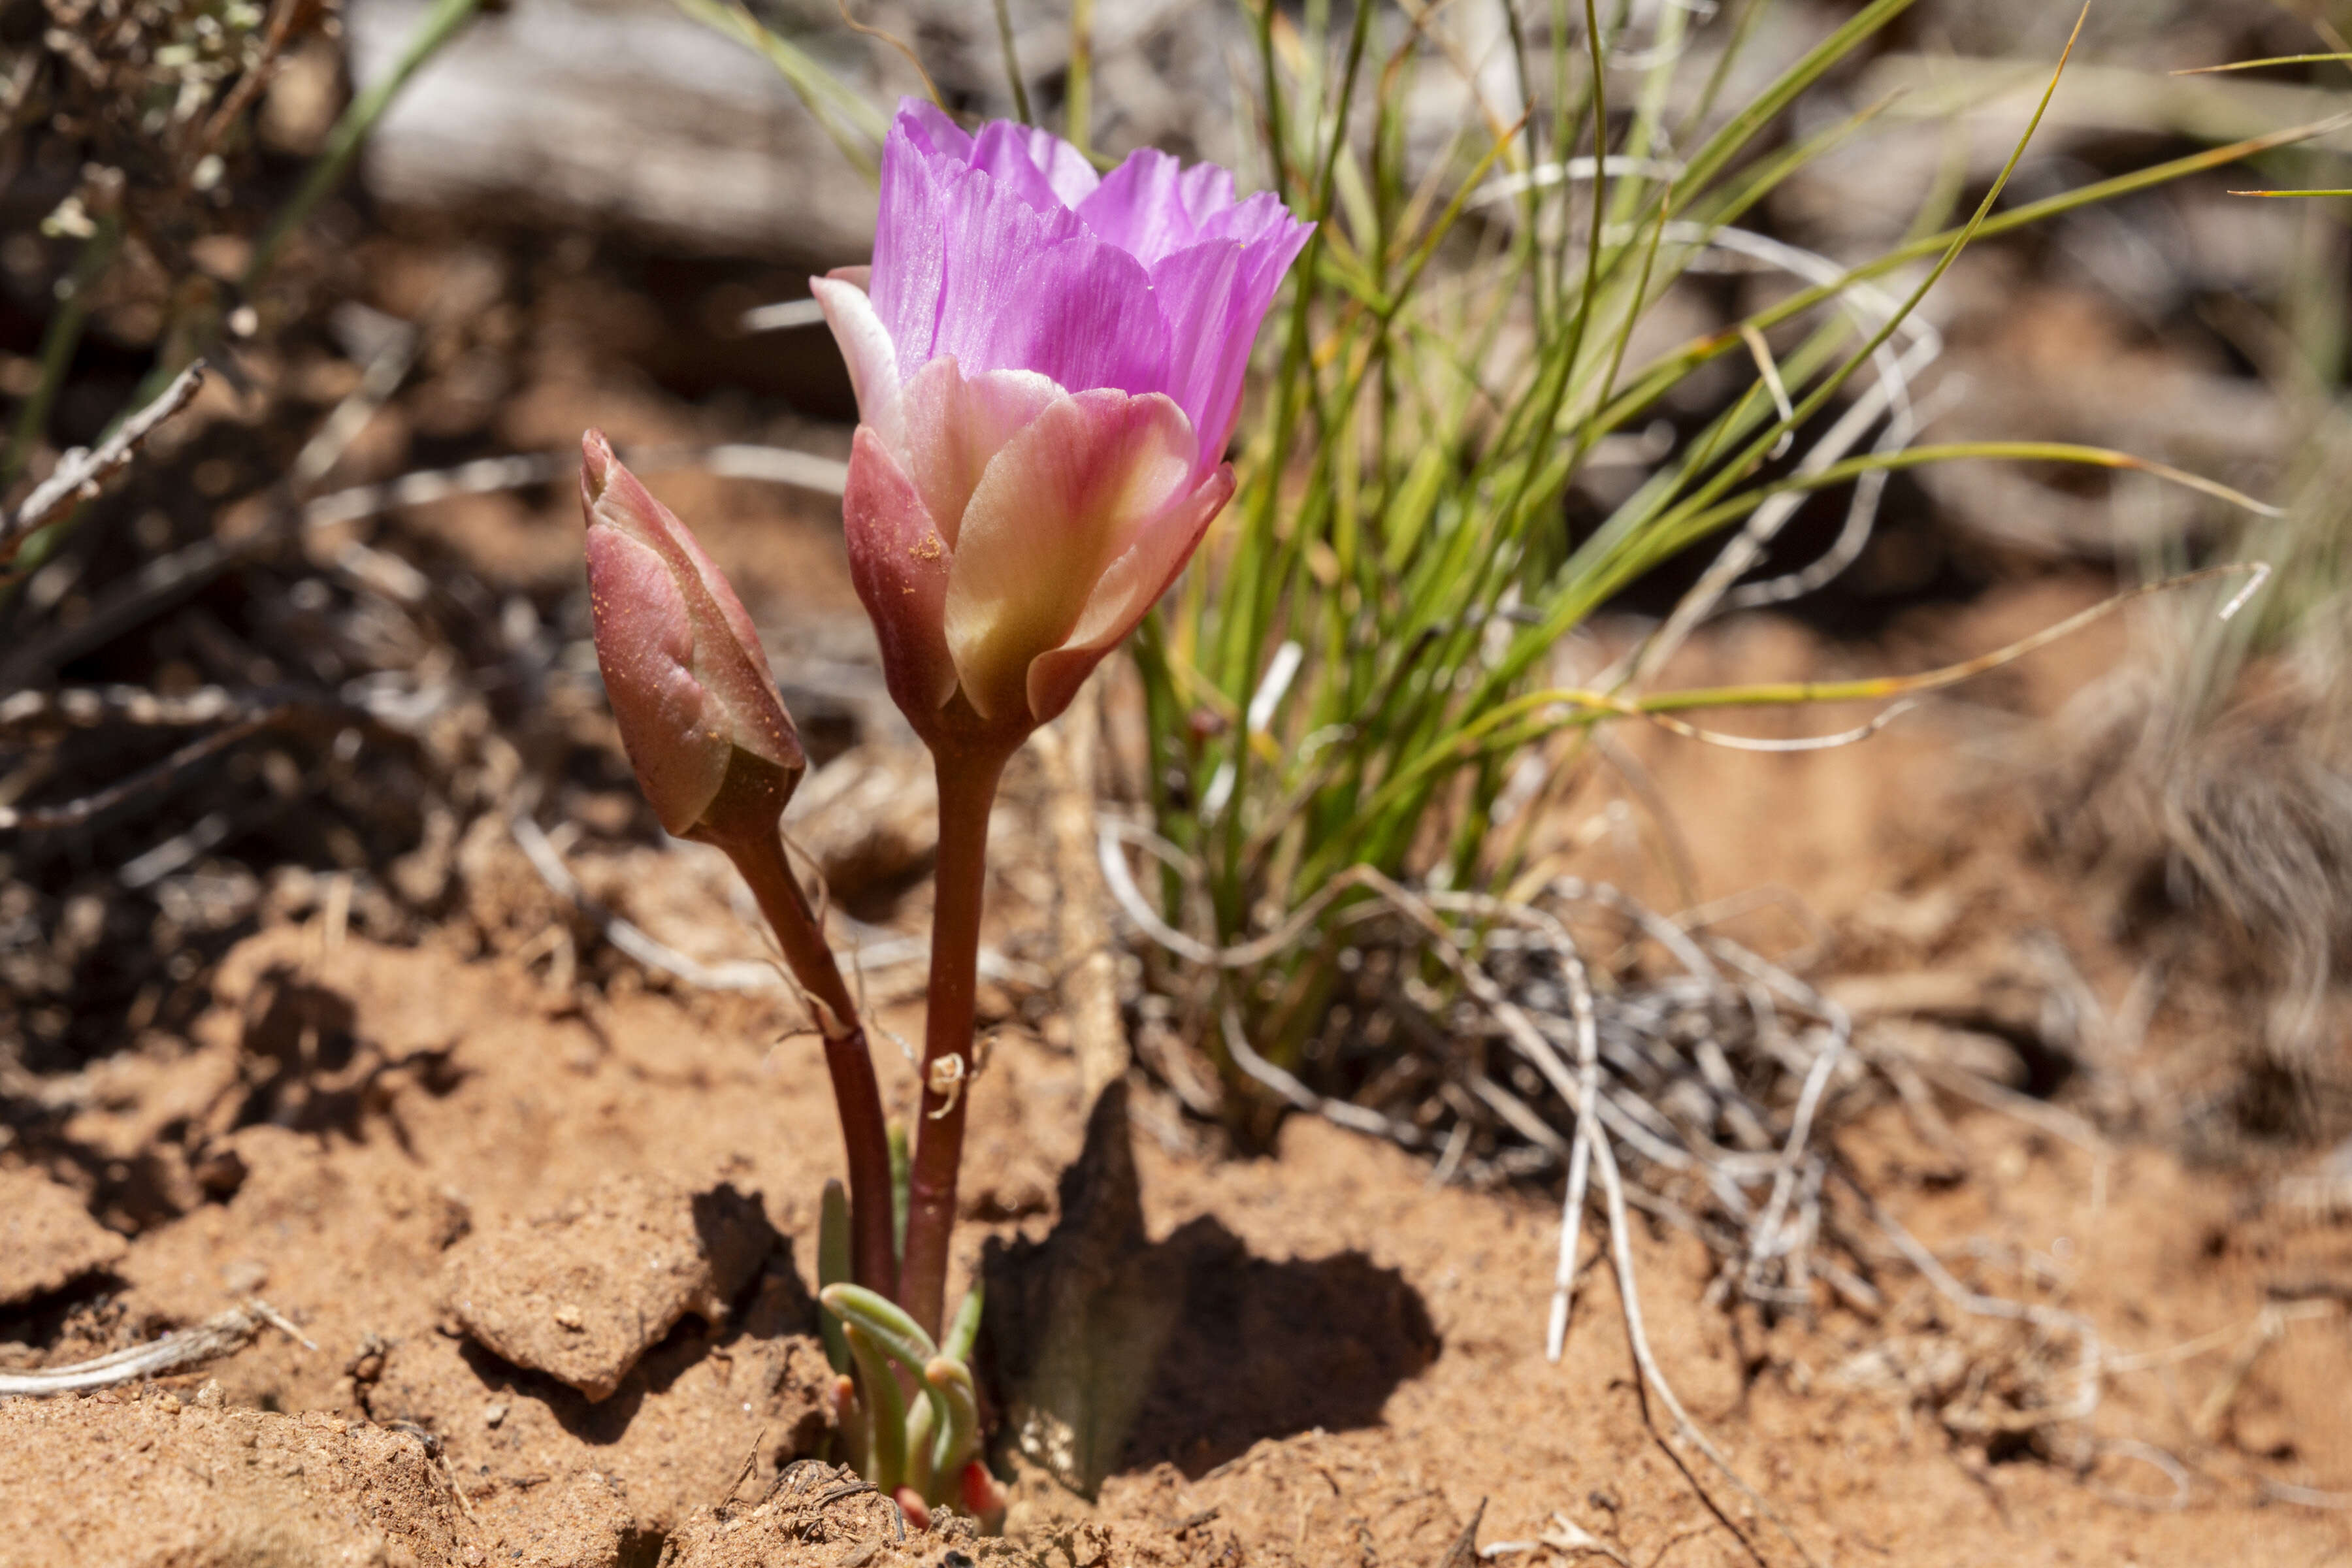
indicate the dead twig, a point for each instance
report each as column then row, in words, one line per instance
column 874, row 950
column 1638, row 1338
column 82, row 472
column 2147, row 1453
column 743, row 1471
column 225, row 1335
column 251, row 716
column 1579, row 1159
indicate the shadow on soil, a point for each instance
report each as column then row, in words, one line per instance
column 1111, row 1352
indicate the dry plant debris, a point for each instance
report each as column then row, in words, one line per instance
column 177, row 1352
column 816, row 1505
column 81, row 473
column 1658, row 1065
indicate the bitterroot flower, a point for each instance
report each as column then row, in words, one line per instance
column 1048, row 366
column 713, row 748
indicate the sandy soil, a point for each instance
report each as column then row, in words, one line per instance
column 1352, row 1366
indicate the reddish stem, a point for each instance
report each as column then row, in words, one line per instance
column 760, row 858
column 967, row 779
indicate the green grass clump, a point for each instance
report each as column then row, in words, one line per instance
column 1353, row 675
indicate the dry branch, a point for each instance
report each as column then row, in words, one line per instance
column 225, row 1335
column 82, row 472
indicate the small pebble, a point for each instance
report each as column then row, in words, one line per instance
column 494, row 1412
column 569, row 1317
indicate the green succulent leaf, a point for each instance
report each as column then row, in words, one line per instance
column 963, row 1328
column 950, row 1382
column 885, row 1410
column 882, row 1323
column 833, row 1268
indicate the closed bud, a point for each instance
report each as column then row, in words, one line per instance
column 713, row 748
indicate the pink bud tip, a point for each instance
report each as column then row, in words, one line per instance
column 713, row 748
column 918, row 1511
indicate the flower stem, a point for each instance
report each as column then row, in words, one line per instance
column 966, row 793
column 760, row 858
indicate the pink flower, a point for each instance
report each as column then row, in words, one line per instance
column 714, row 749
column 1048, row 366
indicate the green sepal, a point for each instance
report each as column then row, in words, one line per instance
column 833, row 1268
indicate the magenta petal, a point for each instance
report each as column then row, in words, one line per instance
column 1047, row 171
column 1080, row 314
column 1025, row 288
column 898, row 564
column 909, row 243
column 958, row 218
column 1001, row 152
column 1198, row 290
column 1214, row 297
column 1005, row 251
column 1262, row 219
column 1150, row 205
column 931, row 129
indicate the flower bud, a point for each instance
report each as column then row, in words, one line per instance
column 714, row 751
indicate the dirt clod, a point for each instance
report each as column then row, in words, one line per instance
column 47, row 1239
column 641, row 1256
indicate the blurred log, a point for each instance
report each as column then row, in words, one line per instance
column 623, row 112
